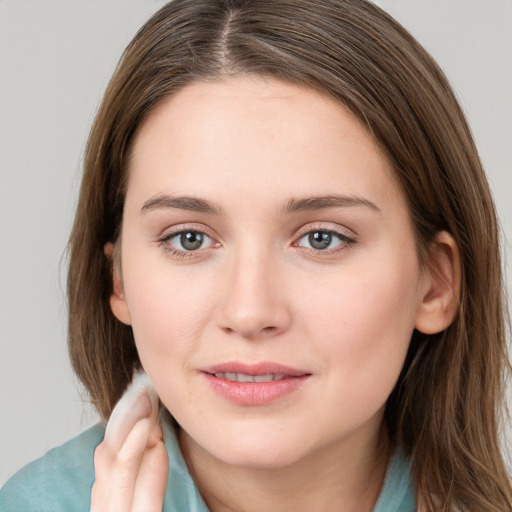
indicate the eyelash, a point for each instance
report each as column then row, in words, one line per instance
column 345, row 241
column 165, row 242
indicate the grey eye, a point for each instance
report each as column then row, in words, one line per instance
column 189, row 240
column 319, row 240
column 322, row 240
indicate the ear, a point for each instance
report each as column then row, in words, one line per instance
column 440, row 294
column 118, row 303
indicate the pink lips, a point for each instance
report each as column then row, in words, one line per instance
column 254, row 384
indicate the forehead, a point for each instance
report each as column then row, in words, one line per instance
column 240, row 133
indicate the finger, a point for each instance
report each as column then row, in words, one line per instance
column 123, row 423
column 138, row 401
column 151, row 480
column 116, row 470
column 131, row 428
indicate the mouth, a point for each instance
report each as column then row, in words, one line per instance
column 254, row 384
column 243, row 377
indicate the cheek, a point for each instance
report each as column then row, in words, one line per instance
column 168, row 316
column 168, row 310
column 364, row 318
column 361, row 333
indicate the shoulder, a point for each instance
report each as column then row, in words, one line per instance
column 61, row 480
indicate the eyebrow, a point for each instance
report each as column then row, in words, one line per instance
column 330, row 201
column 192, row 204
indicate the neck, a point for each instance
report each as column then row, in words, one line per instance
column 347, row 477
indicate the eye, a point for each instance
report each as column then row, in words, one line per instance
column 187, row 241
column 324, row 240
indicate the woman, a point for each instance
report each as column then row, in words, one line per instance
column 284, row 221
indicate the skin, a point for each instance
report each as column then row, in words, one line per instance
column 258, row 290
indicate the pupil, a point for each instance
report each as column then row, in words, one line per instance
column 191, row 241
column 320, row 239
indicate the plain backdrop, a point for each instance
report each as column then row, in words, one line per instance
column 56, row 57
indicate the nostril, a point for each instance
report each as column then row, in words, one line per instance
column 251, row 332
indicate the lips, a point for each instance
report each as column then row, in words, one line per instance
column 254, row 384
column 243, row 377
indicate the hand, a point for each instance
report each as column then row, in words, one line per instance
column 131, row 464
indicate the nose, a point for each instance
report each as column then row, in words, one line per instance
column 254, row 303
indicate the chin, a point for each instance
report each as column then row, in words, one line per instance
column 245, row 449
column 258, row 457
column 261, row 450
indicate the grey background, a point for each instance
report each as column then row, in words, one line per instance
column 56, row 57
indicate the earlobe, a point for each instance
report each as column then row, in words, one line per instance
column 440, row 295
column 118, row 303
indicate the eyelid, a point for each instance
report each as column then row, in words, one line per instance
column 327, row 227
column 169, row 233
column 346, row 235
column 181, row 228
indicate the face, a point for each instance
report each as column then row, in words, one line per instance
column 269, row 270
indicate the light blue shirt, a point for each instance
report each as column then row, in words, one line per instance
column 61, row 481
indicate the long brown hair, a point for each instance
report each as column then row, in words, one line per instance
column 445, row 409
